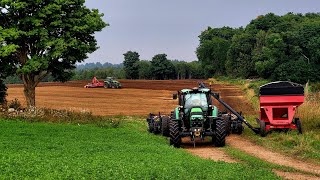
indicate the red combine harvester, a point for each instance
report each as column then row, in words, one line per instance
column 95, row 83
column 278, row 103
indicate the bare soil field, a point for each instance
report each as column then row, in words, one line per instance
column 137, row 97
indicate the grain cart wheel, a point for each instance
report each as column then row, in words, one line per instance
column 219, row 139
column 175, row 138
column 165, row 126
column 298, row 125
column 263, row 132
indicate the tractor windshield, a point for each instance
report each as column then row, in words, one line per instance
column 196, row 99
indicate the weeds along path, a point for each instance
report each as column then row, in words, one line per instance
column 270, row 156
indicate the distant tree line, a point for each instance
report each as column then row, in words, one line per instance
column 160, row 68
column 273, row 47
column 97, row 65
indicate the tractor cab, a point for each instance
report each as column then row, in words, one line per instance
column 195, row 107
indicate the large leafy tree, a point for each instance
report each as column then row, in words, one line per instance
column 239, row 61
column 131, row 58
column 213, row 48
column 43, row 37
column 144, row 69
column 213, row 54
column 162, row 68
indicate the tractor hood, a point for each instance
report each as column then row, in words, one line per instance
column 196, row 113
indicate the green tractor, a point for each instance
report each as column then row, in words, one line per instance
column 110, row 82
column 196, row 117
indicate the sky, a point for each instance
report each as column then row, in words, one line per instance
column 152, row 27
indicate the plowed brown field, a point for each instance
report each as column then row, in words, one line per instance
column 137, row 97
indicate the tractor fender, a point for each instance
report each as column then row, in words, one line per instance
column 176, row 114
column 214, row 111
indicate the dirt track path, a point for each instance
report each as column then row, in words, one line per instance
column 270, row 156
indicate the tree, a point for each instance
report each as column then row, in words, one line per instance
column 195, row 70
column 3, row 92
column 45, row 37
column 144, row 69
column 130, row 66
column 161, row 67
column 239, row 59
column 181, row 69
column 213, row 54
column 296, row 71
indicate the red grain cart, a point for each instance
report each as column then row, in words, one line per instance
column 278, row 103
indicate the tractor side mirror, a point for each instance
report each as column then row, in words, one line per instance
column 175, row 96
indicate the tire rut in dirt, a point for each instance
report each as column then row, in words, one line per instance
column 270, row 156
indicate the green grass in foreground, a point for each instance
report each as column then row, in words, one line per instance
column 60, row 151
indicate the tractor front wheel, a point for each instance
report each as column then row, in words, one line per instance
column 175, row 138
column 219, row 139
column 165, row 126
column 298, row 125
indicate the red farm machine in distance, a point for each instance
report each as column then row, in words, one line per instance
column 278, row 103
column 95, row 83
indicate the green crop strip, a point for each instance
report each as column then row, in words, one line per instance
column 62, row 151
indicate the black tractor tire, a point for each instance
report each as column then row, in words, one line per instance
column 298, row 125
column 165, row 126
column 263, row 131
column 239, row 128
column 175, row 138
column 156, row 128
column 219, row 139
column 150, row 127
column 227, row 119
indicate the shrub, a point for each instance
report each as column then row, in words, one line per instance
column 64, row 116
column 15, row 104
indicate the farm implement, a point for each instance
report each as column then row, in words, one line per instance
column 110, row 82
column 158, row 124
column 278, row 103
column 95, row 83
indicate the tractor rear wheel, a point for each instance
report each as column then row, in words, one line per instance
column 263, row 132
column 219, row 139
column 298, row 125
column 165, row 126
column 175, row 138
column 227, row 119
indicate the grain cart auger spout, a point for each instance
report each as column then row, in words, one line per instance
column 216, row 96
